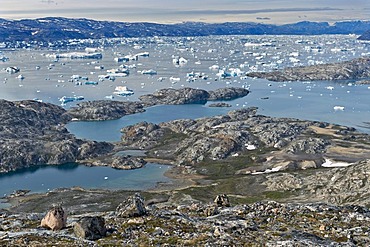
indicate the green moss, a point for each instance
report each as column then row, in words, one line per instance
column 276, row 195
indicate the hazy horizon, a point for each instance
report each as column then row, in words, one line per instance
column 166, row 11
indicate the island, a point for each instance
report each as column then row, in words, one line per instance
column 356, row 69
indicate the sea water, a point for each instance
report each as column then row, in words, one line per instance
column 47, row 79
column 46, row 178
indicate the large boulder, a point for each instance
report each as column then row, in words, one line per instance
column 132, row 207
column 55, row 219
column 90, row 227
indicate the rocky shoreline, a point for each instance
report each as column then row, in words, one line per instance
column 237, row 179
column 108, row 109
column 34, row 133
column 355, row 69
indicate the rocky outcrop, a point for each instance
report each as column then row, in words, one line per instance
column 132, row 207
column 222, row 104
column 117, row 162
column 228, row 93
column 55, row 219
column 33, row 133
column 191, row 96
column 172, row 96
column 340, row 185
column 104, row 110
column 90, row 227
column 108, row 109
column 281, row 143
column 355, row 69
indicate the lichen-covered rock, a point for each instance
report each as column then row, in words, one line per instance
column 55, row 219
column 90, row 227
column 132, row 207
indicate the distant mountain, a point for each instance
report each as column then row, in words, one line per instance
column 54, row 29
column 365, row 36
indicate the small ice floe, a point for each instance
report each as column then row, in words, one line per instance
column 250, row 147
column 105, row 178
column 77, row 55
column 338, row 108
column 91, row 83
column 109, row 97
column 99, row 67
column 214, row 67
column 331, row 163
column 330, row 87
column 149, row 72
column 174, row 79
column 66, row 99
column 274, row 169
column 20, row 77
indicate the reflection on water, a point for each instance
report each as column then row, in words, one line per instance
column 45, row 178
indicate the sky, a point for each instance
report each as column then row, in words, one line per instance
column 175, row 11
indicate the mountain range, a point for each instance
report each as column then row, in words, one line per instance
column 52, row 29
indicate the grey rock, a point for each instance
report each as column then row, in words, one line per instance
column 132, row 207
column 175, row 97
column 104, row 110
column 90, row 227
column 222, row 104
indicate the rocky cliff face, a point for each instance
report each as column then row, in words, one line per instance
column 33, row 133
column 355, row 69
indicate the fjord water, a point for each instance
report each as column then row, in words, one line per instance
column 304, row 100
column 46, row 178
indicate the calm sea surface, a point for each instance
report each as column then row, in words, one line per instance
column 49, row 79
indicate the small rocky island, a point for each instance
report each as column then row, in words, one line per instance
column 108, row 109
column 355, row 69
column 237, row 179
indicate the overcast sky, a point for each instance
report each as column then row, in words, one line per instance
column 172, row 11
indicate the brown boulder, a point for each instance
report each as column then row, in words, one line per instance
column 55, row 219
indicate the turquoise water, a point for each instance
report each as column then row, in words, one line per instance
column 46, row 178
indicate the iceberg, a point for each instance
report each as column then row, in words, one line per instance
column 91, row 83
column 12, row 70
column 338, row 108
column 149, row 72
column 123, row 91
column 77, row 55
column 66, row 99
